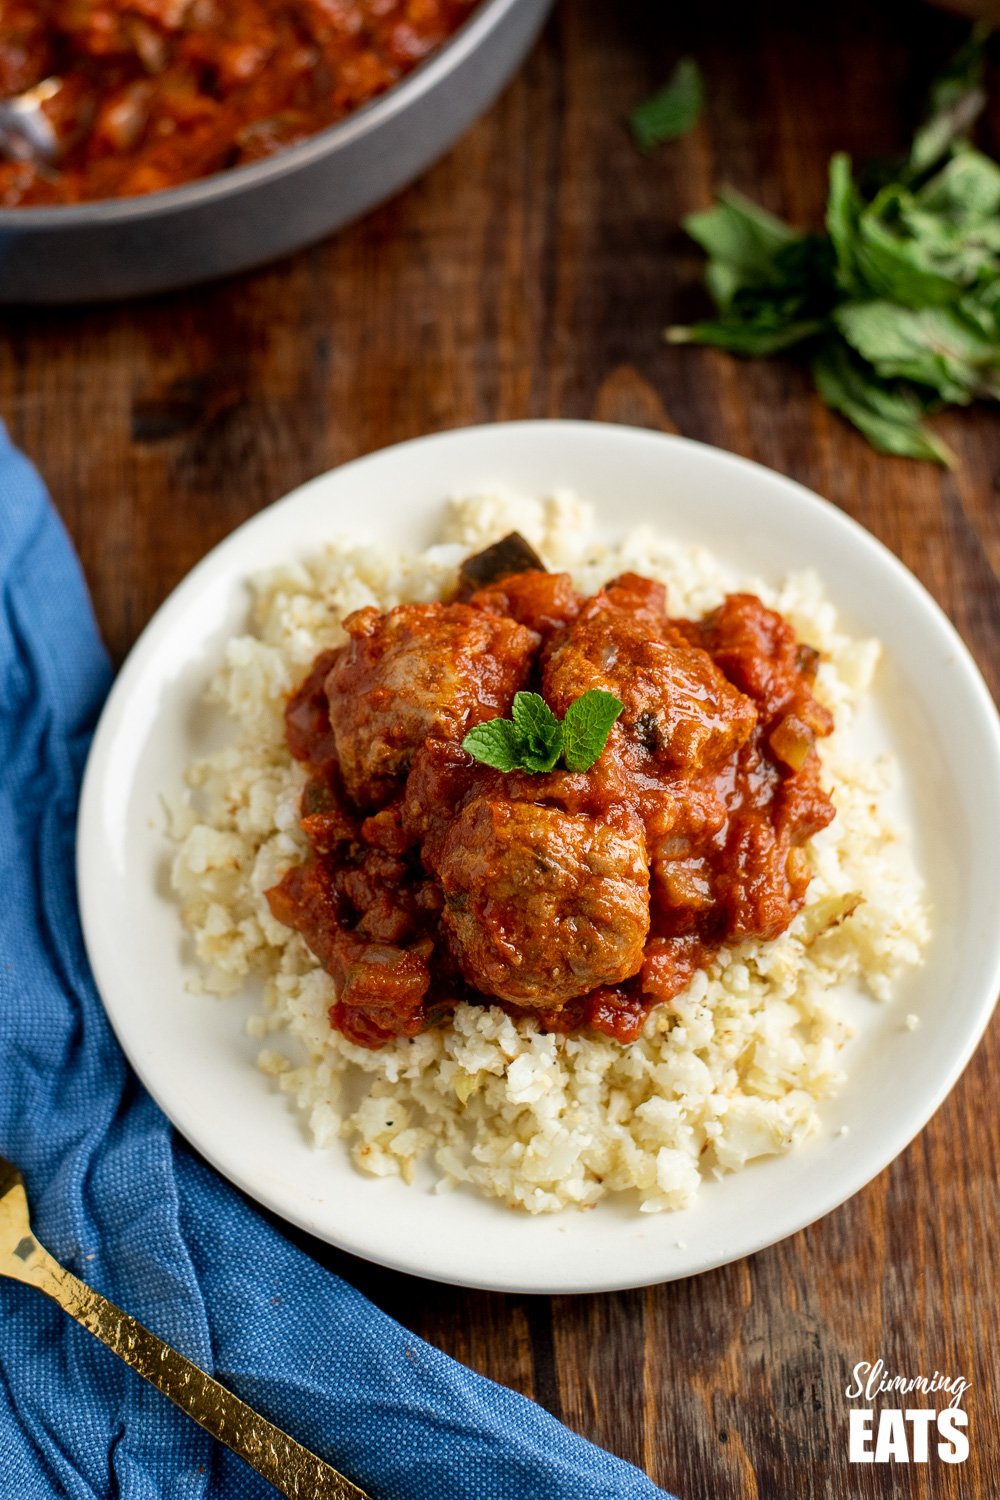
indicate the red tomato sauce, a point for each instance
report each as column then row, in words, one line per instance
column 584, row 899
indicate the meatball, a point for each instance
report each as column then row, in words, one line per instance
column 678, row 707
column 420, row 670
column 542, row 905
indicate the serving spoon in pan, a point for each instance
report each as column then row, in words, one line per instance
column 26, row 132
column 292, row 1469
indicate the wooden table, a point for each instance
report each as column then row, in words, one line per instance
column 529, row 274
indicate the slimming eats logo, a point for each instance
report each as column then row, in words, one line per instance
column 906, row 1434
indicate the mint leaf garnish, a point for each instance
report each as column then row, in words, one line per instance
column 540, row 734
column 890, row 417
column 586, row 727
column 957, row 99
column 672, row 111
column 495, row 743
column 533, row 738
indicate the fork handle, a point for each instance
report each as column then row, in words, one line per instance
column 292, row 1469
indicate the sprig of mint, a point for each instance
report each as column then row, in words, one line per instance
column 533, row 739
column 897, row 306
column 672, row 111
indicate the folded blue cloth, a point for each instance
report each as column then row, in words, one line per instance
column 118, row 1198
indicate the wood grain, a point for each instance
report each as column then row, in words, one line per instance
column 530, row 274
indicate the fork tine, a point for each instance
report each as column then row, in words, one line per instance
column 10, row 1177
column 20, row 1253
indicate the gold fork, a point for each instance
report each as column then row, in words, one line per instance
column 291, row 1468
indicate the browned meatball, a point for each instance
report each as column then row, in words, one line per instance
column 421, row 670
column 678, row 707
column 543, row 905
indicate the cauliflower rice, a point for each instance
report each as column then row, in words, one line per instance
column 731, row 1070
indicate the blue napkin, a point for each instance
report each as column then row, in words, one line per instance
column 119, row 1199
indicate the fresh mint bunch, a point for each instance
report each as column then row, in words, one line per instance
column 533, row 739
column 897, row 305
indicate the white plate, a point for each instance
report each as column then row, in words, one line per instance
column 191, row 1052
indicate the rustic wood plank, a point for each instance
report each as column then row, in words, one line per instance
column 530, row 274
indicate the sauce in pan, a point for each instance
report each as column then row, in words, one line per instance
column 153, row 93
